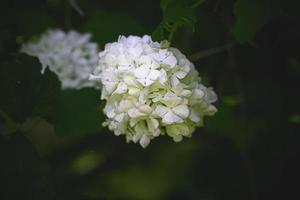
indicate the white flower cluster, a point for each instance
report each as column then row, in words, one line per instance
column 151, row 90
column 71, row 56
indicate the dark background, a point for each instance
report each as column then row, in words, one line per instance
column 52, row 145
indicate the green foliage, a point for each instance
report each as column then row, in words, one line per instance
column 228, row 124
column 175, row 15
column 41, row 20
column 106, row 27
column 22, row 171
column 251, row 16
column 27, row 91
column 178, row 12
column 78, row 113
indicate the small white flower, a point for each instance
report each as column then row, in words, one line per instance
column 71, row 56
column 151, row 90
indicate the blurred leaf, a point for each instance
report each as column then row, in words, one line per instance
column 86, row 162
column 27, row 92
column 79, row 113
column 106, row 26
column 42, row 135
column 231, row 100
column 164, row 5
column 251, row 16
column 33, row 21
column 179, row 12
column 159, row 33
column 175, row 15
column 23, row 174
column 228, row 123
column 294, row 119
column 155, row 173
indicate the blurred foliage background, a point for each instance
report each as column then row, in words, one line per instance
column 52, row 145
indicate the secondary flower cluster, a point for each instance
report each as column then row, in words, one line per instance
column 71, row 56
column 151, row 90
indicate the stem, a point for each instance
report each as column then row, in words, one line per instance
column 76, row 7
column 171, row 33
column 197, row 3
column 209, row 52
column 68, row 15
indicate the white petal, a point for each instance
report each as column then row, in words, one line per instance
column 109, row 111
column 177, row 138
column 174, row 81
column 186, row 93
column 154, row 123
column 123, row 60
column 183, row 72
column 161, row 110
column 211, row 110
column 154, row 75
column 135, row 51
column 142, row 71
column 145, row 108
column 130, row 80
column 143, row 96
column 145, row 81
column 94, row 77
column 163, row 76
column 210, row 96
column 170, row 118
column 182, row 111
column 133, row 122
column 194, row 116
column 136, row 137
column 122, row 88
column 135, row 113
column 110, row 86
column 144, row 60
column 144, row 141
column 146, row 39
column 125, row 105
column 170, row 99
column 198, row 94
column 133, row 91
column 156, row 133
column 119, row 117
column 170, row 60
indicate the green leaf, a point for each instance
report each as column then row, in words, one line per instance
column 175, row 15
column 164, row 5
column 251, row 16
column 106, row 26
column 27, row 92
column 229, row 124
column 180, row 13
column 79, row 113
column 23, row 174
column 34, row 21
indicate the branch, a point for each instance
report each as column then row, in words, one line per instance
column 209, row 52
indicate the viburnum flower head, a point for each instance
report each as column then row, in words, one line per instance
column 151, row 90
column 71, row 56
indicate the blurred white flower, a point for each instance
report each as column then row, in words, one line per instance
column 71, row 56
column 151, row 90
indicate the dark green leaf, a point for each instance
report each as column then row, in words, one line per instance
column 251, row 16
column 79, row 113
column 180, row 13
column 27, row 92
column 106, row 27
column 23, row 174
